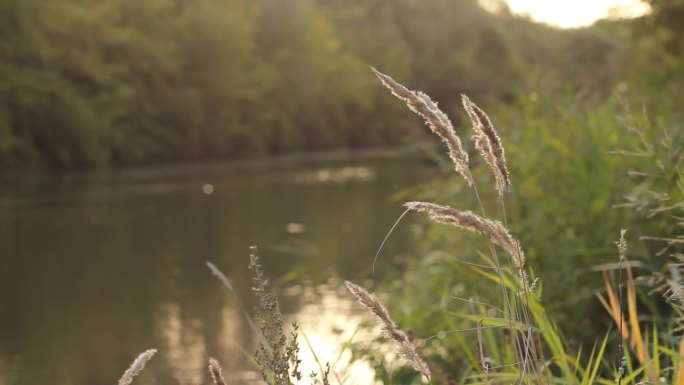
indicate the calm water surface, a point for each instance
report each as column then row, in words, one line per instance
column 95, row 269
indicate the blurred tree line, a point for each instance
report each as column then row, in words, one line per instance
column 88, row 83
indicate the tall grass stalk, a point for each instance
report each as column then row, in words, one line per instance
column 622, row 251
column 488, row 142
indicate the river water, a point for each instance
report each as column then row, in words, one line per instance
column 96, row 268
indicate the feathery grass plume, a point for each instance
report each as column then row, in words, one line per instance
column 437, row 120
column 216, row 372
column 389, row 328
column 473, row 222
column 137, row 366
column 488, row 142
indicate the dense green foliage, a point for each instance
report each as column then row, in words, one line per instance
column 92, row 84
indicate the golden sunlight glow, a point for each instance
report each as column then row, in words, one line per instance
column 328, row 323
column 182, row 344
column 576, row 13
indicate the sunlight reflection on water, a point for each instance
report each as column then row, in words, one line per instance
column 95, row 271
column 329, row 324
column 9, row 367
column 335, row 175
column 182, row 342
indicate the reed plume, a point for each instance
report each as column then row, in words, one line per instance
column 216, row 372
column 137, row 366
column 473, row 222
column 488, row 142
column 389, row 328
column 435, row 119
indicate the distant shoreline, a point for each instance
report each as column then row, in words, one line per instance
column 210, row 166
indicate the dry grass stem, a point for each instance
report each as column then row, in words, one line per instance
column 437, row 120
column 473, row 222
column 488, row 142
column 219, row 274
column 216, row 372
column 389, row 328
column 137, row 366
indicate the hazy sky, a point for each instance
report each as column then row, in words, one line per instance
column 575, row 13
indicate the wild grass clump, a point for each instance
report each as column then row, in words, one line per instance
column 658, row 194
column 513, row 340
column 525, row 341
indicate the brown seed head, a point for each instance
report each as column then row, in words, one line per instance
column 216, row 372
column 488, row 142
column 473, row 222
column 389, row 328
column 435, row 119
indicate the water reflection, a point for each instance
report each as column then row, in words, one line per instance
column 335, row 175
column 96, row 269
column 230, row 339
column 9, row 367
column 182, row 341
column 329, row 321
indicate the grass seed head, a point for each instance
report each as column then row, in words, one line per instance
column 137, row 366
column 488, row 142
column 469, row 221
column 435, row 119
column 406, row 348
column 216, row 372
